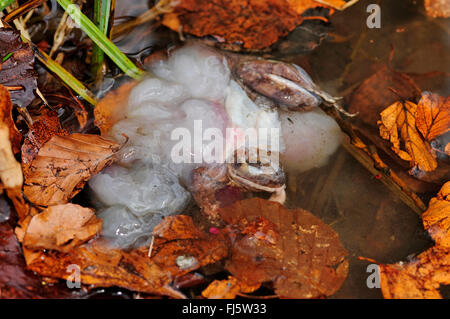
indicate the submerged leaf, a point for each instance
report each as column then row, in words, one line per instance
column 296, row 251
column 64, row 164
column 398, row 125
column 61, row 228
column 17, row 67
column 179, row 248
column 438, row 8
column 227, row 289
column 15, row 280
column 422, row 277
column 433, row 116
column 249, row 25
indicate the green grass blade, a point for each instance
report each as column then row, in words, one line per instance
column 102, row 11
column 5, row 3
column 109, row 48
column 65, row 76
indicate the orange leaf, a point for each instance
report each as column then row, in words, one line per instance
column 179, row 248
column 437, row 217
column 438, row 8
column 433, row 116
column 63, row 165
column 227, row 289
column 61, row 228
column 111, row 108
column 398, row 125
column 246, row 24
column 422, row 277
column 301, row 255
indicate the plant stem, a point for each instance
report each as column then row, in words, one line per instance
column 65, row 76
column 102, row 12
column 109, row 48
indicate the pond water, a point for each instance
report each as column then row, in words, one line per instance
column 370, row 220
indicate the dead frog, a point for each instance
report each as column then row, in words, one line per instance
column 270, row 85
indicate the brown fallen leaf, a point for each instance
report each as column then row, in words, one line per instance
column 60, row 228
column 111, row 108
column 227, row 289
column 438, row 8
column 398, row 125
column 305, row 258
column 10, row 170
column 16, row 282
column 422, row 277
column 102, row 266
column 179, row 248
column 433, row 116
column 42, row 130
column 436, row 219
column 377, row 91
column 63, row 165
column 249, row 25
column 17, row 69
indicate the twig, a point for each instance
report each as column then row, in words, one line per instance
column 163, row 6
column 369, row 158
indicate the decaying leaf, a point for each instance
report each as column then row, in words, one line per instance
column 60, row 227
column 42, row 130
column 10, row 170
column 249, row 25
column 15, row 280
column 377, row 92
column 437, row 218
column 17, row 67
column 112, row 107
column 179, row 248
column 422, row 277
column 398, row 125
column 63, row 165
column 438, row 8
column 433, row 116
column 227, row 289
column 296, row 251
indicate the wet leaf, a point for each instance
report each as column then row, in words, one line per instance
column 436, row 219
column 63, row 165
column 398, row 125
column 377, row 92
column 15, row 280
column 294, row 250
column 423, row 276
column 227, row 289
column 248, row 25
column 42, row 130
column 112, row 107
column 10, row 170
column 437, row 8
column 104, row 266
column 433, row 116
column 17, row 69
column 60, row 227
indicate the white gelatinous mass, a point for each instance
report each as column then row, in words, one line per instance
column 193, row 92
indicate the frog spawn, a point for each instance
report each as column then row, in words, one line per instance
column 195, row 84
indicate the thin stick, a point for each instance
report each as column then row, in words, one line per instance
column 163, row 6
column 369, row 158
